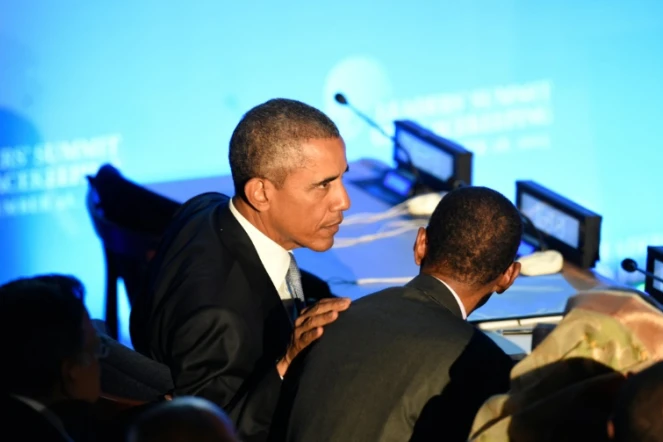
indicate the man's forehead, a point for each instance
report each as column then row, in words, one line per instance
column 322, row 148
column 317, row 159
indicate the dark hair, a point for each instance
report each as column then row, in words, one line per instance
column 637, row 414
column 183, row 419
column 267, row 141
column 473, row 235
column 65, row 283
column 41, row 324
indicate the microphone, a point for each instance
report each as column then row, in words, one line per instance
column 631, row 266
column 342, row 100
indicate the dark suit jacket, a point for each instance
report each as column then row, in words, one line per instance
column 399, row 365
column 20, row 422
column 212, row 315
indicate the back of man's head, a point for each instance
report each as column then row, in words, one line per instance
column 267, row 141
column 41, row 324
column 182, row 420
column 638, row 415
column 473, row 236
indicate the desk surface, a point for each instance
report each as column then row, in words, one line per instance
column 393, row 257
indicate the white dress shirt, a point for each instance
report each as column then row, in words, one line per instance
column 460, row 303
column 275, row 259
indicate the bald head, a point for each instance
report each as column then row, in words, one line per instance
column 182, row 420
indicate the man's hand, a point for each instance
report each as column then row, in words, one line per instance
column 308, row 327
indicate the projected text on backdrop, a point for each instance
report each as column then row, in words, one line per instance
column 489, row 120
column 35, row 179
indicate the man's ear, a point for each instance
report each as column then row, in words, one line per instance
column 420, row 246
column 70, row 373
column 257, row 193
column 507, row 278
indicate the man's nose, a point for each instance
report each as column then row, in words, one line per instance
column 344, row 199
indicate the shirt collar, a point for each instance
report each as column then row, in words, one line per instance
column 275, row 259
column 460, row 303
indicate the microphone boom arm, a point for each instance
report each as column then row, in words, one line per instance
column 342, row 100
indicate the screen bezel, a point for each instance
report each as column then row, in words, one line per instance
column 461, row 157
column 654, row 253
column 566, row 206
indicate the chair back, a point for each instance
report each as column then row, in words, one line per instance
column 120, row 241
column 127, row 254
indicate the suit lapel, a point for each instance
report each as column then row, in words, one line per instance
column 235, row 239
column 436, row 291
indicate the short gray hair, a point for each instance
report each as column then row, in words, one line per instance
column 267, row 141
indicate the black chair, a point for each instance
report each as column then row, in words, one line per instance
column 129, row 220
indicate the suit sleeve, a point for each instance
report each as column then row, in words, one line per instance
column 215, row 354
column 481, row 371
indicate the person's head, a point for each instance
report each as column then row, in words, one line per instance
column 287, row 159
column 65, row 283
column 183, row 419
column 471, row 243
column 638, row 413
column 46, row 332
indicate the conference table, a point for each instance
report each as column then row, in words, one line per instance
column 364, row 268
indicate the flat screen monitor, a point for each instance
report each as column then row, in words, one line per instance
column 564, row 225
column 441, row 163
column 654, row 266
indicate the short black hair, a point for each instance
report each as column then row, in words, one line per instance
column 267, row 141
column 637, row 414
column 473, row 235
column 41, row 324
column 65, row 283
column 183, row 419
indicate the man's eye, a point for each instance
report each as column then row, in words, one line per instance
column 324, row 185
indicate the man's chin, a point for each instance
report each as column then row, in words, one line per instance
column 321, row 245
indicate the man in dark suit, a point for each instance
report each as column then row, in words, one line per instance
column 223, row 307
column 403, row 364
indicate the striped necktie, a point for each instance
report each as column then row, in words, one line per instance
column 294, row 280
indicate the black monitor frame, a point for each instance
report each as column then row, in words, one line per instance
column 589, row 237
column 654, row 253
column 462, row 158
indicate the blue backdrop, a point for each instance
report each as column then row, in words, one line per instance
column 567, row 93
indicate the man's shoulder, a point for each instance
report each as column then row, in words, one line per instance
column 411, row 301
column 202, row 204
column 431, row 326
column 403, row 312
column 199, row 216
column 192, row 246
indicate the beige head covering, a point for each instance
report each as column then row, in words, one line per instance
column 565, row 388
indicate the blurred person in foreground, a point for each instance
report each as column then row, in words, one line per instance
column 46, row 333
column 638, row 413
column 183, row 419
column 569, row 385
